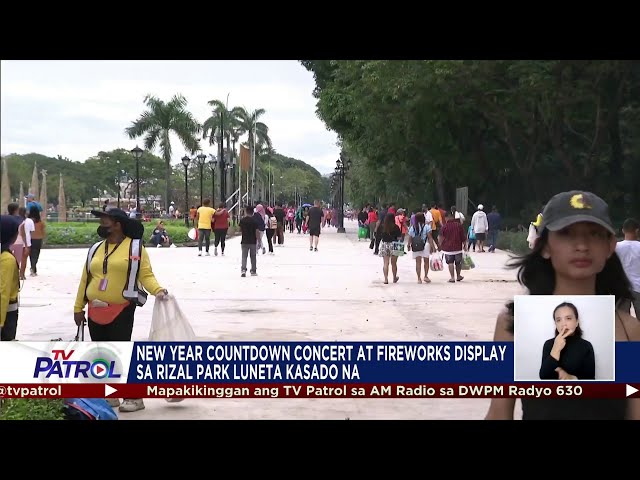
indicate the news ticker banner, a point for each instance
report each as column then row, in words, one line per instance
column 307, row 391
column 156, row 363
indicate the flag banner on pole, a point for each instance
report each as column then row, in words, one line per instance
column 245, row 158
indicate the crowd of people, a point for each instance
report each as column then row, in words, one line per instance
column 431, row 234
column 574, row 250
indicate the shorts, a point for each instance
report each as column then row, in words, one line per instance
column 457, row 258
column 385, row 249
column 314, row 232
column 423, row 254
column 481, row 237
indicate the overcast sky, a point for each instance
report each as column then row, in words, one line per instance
column 77, row 108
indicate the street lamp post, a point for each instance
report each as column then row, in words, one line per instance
column 118, row 187
column 185, row 161
column 118, row 179
column 201, row 158
column 213, row 161
column 342, row 166
column 137, row 152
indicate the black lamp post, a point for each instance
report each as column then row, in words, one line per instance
column 118, row 179
column 137, row 152
column 201, row 158
column 223, row 175
column 342, row 166
column 185, row 161
column 213, row 162
column 232, row 168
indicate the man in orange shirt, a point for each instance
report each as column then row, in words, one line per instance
column 436, row 222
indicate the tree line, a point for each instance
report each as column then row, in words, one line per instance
column 102, row 172
column 514, row 132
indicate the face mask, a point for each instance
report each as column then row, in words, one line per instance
column 103, row 232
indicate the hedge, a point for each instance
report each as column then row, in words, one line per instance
column 515, row 242
column 78, row 233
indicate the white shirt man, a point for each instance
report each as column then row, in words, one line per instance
column 628, row 250
column 479, row 221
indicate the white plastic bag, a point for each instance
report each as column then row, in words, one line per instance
column 436, row 262
column 169, row 324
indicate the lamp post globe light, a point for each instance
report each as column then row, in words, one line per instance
column 185, row 161
column 137, row 153
column 213, row 163
column 201, row 158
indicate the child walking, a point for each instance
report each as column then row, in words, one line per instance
column 471, row 238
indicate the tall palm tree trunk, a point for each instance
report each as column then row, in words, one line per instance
column 167, row 177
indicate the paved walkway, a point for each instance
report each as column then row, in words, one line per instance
column 336, row 293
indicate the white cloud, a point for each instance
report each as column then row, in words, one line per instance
column 77, row 108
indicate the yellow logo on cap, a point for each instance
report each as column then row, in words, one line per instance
column 579, row 201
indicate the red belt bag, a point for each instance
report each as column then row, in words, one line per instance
column 106, row 315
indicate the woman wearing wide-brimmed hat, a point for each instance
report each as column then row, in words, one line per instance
column 110, row 314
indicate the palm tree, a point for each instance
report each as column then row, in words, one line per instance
column 248, row 123
column 230, row 126
column 230, row 121
column 158, row 122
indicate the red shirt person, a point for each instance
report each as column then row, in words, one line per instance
column 452, row 243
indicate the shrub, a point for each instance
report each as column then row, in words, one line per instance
column 78, row 233
column 32, row 409
column 515, row 242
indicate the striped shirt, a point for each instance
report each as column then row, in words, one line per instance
column 454, row 237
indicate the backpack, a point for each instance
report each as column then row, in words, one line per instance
column 273, row 223
column 88, row 409
column 417, row 242
column 133, row 291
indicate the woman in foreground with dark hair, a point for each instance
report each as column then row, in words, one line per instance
column 573, row 255
column 567, row 356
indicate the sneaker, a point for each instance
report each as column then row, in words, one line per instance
column 215, row 251
column 264, row 250
column 207, row 254
column 114, row 402
column 199, row 254
column 315, row 249
column 131, row 405
column 158, row 246
column 243, row 274
column 311, row 249
column 254, row 274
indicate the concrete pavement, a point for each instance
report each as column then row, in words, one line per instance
column 336, row 293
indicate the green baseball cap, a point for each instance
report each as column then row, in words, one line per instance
column 567, row 208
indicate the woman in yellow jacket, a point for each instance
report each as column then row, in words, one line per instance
column 110, row 314
column 9, row 278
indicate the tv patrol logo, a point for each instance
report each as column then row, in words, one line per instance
column 97, row 363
